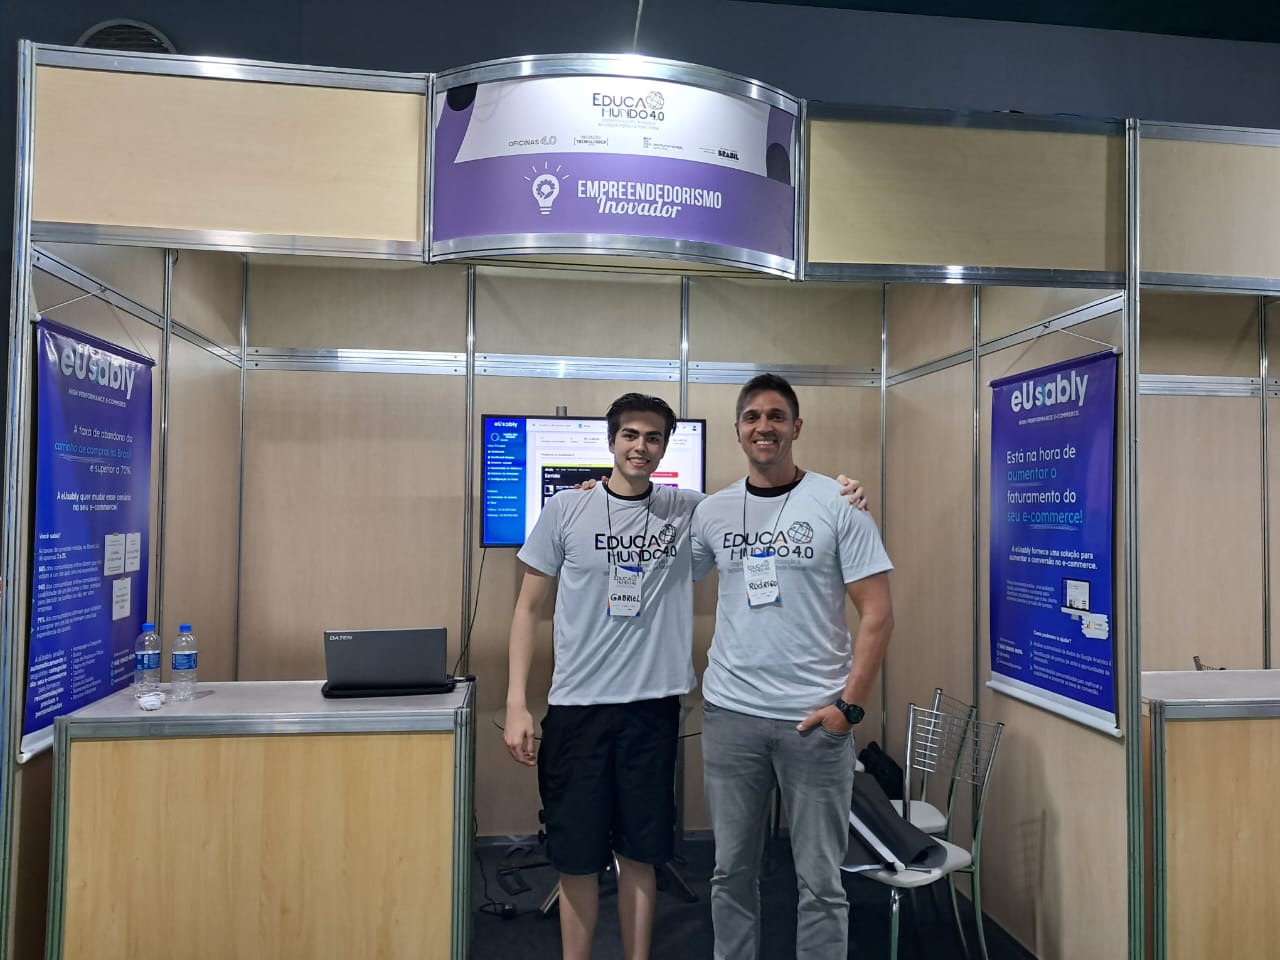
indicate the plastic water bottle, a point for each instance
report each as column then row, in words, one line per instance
column 182, row 665
column 146, row 661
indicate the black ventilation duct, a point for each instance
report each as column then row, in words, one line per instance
column 132, row 36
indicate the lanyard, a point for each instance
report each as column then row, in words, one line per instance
column 776, row 520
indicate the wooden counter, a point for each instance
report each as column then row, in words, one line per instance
column 263, row 821
column 1213, row 742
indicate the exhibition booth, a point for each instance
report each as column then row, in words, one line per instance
column 327, row 279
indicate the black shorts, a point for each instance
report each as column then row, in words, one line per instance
column 606, row 773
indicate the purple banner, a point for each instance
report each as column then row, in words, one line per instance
column 557, row 157
column 1052, row 536
column 92, row 521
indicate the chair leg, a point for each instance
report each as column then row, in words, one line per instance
column 955, row 909
column 895, row 902
column 977, row 909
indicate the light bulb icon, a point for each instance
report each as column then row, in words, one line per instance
column 545, row 190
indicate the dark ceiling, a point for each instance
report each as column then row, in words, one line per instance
column 1223, row 20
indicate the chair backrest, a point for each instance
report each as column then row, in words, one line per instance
column 943, row 703
column 934, row 742
column 977, row 760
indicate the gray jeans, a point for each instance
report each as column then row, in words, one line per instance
column 742, row 758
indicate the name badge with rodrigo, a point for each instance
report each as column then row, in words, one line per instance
column 624, row 591
column 762, row 579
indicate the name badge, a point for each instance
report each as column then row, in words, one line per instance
column 624, row 592
column 762, row 579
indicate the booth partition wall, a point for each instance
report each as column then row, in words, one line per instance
column 262, row 233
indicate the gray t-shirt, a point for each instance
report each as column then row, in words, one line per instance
column 611, row 659
column 786, row 659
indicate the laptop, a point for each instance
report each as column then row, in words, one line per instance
column 386, row 663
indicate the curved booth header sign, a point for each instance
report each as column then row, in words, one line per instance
column 588, row 165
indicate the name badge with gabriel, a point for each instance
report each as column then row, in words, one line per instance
column 624, row 591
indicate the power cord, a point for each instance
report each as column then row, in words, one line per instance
column 471, row 624
column 496, row 908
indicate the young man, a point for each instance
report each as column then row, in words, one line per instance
column 623, row 630
column 784, row 682
column 623, row 656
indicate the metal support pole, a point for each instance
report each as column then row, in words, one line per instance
column 163, row 473
column 1132, row 633
column 469, row 450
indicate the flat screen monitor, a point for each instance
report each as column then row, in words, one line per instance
column 527, row 460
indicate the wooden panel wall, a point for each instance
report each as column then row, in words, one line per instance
column 352, row 512
column 318, row 304
column 908, row 194
column 771, row 321
column 577, row 314
column 1005, row 310
column 1051, row 859
column 202, row 506
column 190, row 153
column 926, row 322
column 929, row 530
column 208, row 294
column 1190, row 445
column 1207, row 335
column 1209, row 208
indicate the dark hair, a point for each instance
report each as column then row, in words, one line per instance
column 761, row 383
column 639, row 403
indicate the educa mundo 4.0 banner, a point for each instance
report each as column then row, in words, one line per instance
column 1052, row 538
column 611, row 163
column 92, row 523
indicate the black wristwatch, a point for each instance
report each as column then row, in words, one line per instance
column 853, row 713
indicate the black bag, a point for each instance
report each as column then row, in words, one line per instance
column 883, row 768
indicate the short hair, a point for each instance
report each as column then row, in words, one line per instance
column 639, row 403
column 761, row 383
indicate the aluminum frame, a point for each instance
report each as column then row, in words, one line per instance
column 224, row 68
column 979, row 276
column 514, row 245
column 232, row 241
column 468, row 474
column 356, row 360
column 618, row 65
column 13, row 577
column 1130, row 493
column 970, row 119
column 1264, row 432
column 55, row 266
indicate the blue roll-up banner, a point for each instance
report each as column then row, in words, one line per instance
column 92, row 524
column 1052, row 538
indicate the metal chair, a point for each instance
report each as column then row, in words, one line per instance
column 939, row 759
column 928, row 731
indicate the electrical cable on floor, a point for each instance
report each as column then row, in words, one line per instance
column 497, row 908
